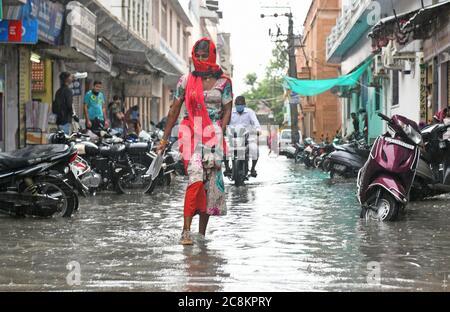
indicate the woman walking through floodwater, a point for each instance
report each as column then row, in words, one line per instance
column 207, row 97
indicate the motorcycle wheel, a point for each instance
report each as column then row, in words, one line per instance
column 326, row 165
column 307, row 161
column 55, row 188
column 316, row 162
column 137, row 185
column 387, row 209
column 298, row 158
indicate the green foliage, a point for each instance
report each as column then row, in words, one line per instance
column 269, row 89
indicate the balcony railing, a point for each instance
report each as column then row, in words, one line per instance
column 351, row 15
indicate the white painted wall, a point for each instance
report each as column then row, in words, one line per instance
column 409, row 97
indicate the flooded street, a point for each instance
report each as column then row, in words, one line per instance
column 288, row 230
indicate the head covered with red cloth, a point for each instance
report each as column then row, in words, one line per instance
column 199, row 123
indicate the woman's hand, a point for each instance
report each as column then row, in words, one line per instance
column 162, row 146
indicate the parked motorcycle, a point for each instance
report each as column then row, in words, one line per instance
column 28, row 187
column 117, row 164
column 347, row 159
column 433, row 170
column 307, row 153
column 385, row 181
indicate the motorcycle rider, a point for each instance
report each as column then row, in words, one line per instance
column 243, row 116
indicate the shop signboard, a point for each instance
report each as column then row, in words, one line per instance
column 19, row 31
column 104, row 58
column 82, row 29
column 49, row 16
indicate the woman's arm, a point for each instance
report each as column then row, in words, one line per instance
column 172, row 118
column 227, row 109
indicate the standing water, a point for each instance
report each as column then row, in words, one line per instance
column 290, row 229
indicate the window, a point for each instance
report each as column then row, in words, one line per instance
column 395, row 87
column 144, row 19
column 185, row 46
column 138, row 21
column 155, row 15
column 164, row 20
column 178, row 38
column 134, row 15
column 146, row 26
column 125, row 10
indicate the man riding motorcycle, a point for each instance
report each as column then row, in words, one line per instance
column 244, row 117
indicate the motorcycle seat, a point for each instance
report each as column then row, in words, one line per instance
column 31, row 155
column 112, row 151
column 137, row 148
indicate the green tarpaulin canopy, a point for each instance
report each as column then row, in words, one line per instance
column 316, row 87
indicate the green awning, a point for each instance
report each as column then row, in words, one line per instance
column 316, row 87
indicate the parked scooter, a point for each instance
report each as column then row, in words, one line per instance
column 433, row 170
column 27, row 187
column 385, row 181
column 307, row 153
column 347, row 159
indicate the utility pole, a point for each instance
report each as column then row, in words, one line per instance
column 292, row 72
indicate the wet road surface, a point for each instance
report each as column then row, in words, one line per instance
column 288, row 230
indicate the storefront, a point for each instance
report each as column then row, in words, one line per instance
column 17, row 36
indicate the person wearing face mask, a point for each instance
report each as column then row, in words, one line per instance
column 245, row 117
column 95, row 108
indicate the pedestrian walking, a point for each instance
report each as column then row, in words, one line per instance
column 63, row 104
column 208, row 98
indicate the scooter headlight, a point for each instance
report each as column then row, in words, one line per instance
column 411, row 133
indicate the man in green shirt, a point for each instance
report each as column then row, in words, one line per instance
column 95, row 108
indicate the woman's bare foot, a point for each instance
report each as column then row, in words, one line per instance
column 186, row 239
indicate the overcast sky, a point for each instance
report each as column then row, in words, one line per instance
column 250, row 42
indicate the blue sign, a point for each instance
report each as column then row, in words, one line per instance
column 29, row 31
column 50, row 17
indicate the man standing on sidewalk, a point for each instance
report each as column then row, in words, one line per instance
column 95, row 108
column 62, row 106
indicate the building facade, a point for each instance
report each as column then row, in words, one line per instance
column 137, row 48
column 408, row 73
column 320, row 115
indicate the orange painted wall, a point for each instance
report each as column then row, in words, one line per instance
column 324, row 108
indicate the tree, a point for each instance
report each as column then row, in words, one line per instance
column 251, row 79
column 270, row 88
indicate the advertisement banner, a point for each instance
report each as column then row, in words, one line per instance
column 19, row 31
column 49, row 16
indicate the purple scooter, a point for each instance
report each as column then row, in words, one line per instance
column 386, row 179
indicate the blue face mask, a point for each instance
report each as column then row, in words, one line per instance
column 240, row 108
